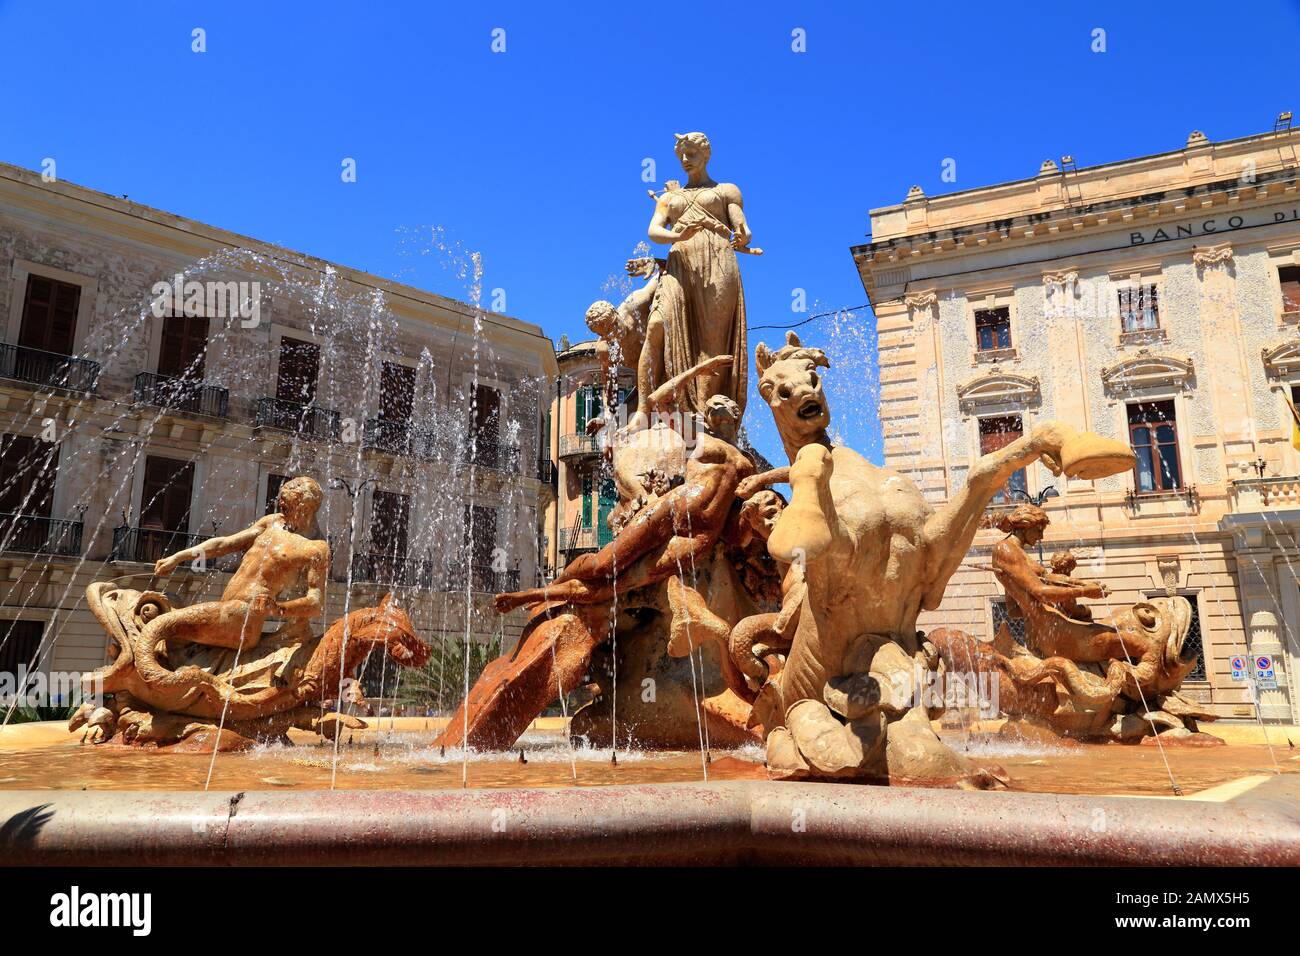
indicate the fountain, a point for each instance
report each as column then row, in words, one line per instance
column 768, row 646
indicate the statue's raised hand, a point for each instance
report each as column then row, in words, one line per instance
column 163, row 567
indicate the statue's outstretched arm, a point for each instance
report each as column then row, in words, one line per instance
column 212, row 548
column 756, row 483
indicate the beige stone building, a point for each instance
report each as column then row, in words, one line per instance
column 1155, row 300
column 585, row 492
column 132, row 429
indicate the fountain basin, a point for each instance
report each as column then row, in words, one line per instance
column 734, row 822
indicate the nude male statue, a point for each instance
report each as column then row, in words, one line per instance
column 275, row 554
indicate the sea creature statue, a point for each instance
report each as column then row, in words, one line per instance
column 1075, row 677
column 850, row 700
column 182, row 671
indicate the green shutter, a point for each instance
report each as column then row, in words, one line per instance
column 586, row 501
column 580, row 411
column 608, row 499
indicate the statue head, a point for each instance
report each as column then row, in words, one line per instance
column 299, row 499
column 1159, row 628
column 1063, row 562
column 602, row 317
column 1027, row 522
column 722, row 417
column 761, row 510
column 789, row 383
column 693, row 151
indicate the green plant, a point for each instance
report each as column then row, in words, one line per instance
column 31, row 715
column 439, row 686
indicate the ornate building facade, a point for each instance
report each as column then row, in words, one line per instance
column 1155, row 300
column 127, row 435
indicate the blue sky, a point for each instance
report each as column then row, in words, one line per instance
column 533, row 157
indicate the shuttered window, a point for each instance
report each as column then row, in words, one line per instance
column 49, row 315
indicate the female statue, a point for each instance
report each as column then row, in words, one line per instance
column 699, row 309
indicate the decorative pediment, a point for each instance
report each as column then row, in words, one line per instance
column 996, row 387
column 1282, row 359
column 1148, row 370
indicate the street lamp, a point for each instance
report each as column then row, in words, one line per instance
column 1037, row 501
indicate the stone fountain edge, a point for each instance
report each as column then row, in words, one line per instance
column 735, row 822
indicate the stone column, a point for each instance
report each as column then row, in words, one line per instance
column 1265, row 638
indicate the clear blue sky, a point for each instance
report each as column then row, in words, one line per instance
column 533, row 156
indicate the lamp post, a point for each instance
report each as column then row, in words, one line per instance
column 1037, row 501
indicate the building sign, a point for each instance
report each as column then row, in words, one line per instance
column 1213, row 226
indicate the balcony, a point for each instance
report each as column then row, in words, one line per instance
column 182, row 395
column 393, row 570
column 147, row 545
column 491, row 454
column 399, row 438
column 307, row 421
column 402, row 571
column 36, row 534
column 578, row 539
column 547, row 473
column 48, row 369
column 577, row 444
column 1259, row 494
column 482, row 578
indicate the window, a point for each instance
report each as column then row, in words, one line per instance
column 607, row 502
column 390, row 516
column 397, row 393
column 586, row 407
column 992, row 329
column 183, row 348
column 168, row 488
column 1289, row 278
column 481, row 534
column 1295, row 417
column 27, row 471
column 1195, row 640
column 273, row 483
column 19, row 641
column 1153, row 433
column 1139, row 308
column 299, row 366
column 487, row 414
column 49, row 315
column 1001, row 616
column 997, row 433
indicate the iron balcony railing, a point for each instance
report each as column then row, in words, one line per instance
column 37, row 534
column 48, row 369
column 576, row 443
column 491, row 454
column 310, row 421
column 578, row 539
column 399, row 438
column 482, row 578
column 148, row 545
column 182, row 395
column 393, row 570
column 547, row 473
column 404, row 571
